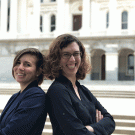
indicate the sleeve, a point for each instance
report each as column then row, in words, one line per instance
column 27, row 114
column 64, row 111
column 106, row 126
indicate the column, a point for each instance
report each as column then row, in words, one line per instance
column 60, row 17
column 111, row 66
column 134, row 65
column 36, row 18
column 86, row 16
column 4, row 9
column 68, row 23
column 113, row 23
column 46, row 23
column 87, row 49
column 13, row 16
column 23, row 16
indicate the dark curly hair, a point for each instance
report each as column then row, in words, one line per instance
column 40, row 62
column 53, row 69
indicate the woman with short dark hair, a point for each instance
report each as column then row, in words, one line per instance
column 25, row 112
column 72, row 108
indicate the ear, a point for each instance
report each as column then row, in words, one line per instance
column 39, row 72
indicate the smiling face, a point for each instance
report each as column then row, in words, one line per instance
column 70, row 66
column 25, row 70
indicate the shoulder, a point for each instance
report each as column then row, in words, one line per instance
column 88, row 93
column 13, row 96
column 85, row 89
column 57, row 88
column 34, row 91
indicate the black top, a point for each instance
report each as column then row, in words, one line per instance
column 69, row 115
column 25, row 113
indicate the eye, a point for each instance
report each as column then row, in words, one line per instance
column 66, row 55
column 17, row 63
column 27, row 64
column 76, row 53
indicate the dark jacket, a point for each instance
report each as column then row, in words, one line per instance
column 69, row 115
column 25, row 113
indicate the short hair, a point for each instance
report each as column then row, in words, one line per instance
column 53, row 69
column 40, row 62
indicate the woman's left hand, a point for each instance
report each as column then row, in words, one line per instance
column 99, row 116
column 90, row 128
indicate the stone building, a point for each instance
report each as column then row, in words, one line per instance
column 106, row 28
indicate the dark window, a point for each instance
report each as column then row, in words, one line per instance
column 77, row 22
column 103, row 67
column 52, row 23
column 41, row 23
column 41, row 1
column 130, row 64
column 53, row 0
column 124, row 20
column 107, row 20
column 8, row 17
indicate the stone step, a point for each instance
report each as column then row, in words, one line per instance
column 97, row 93
column 124, row 130
column 125, row 125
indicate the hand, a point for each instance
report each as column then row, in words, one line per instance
column 99, row 116
column 90, row 128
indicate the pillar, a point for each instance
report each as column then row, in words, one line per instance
column 113, row 24
column 60, row 17
column 134, row 66
column 86, row 16
column 67, row 18
column 13, row 16
column 87, row 49
column 23, row 17
column 4, row 11
column 46, row 23
column 36, row 19
column 111, row 66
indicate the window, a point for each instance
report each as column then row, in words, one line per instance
column 52, row 23
column 107, row 20
column 8, row 18
column 41, row 1
column 77, row 22
column 124, row 20
column 53, row 0
column 41, row 23
column 130, row 64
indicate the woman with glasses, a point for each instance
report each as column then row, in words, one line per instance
column 72, row 108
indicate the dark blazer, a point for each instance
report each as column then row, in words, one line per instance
column 69, row 115
column 25, row 112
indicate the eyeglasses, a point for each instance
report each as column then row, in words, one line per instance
column 67, row 55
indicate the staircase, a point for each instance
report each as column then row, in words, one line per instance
column 125, row 125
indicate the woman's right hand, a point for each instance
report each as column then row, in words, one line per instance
column 99, row 116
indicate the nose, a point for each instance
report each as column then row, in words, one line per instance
column 21, row 67
column 72, row 58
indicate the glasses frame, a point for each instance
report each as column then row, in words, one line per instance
column 70, row 54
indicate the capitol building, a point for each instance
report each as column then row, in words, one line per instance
column 105, row 27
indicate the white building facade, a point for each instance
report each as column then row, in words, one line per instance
column 105, row 27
